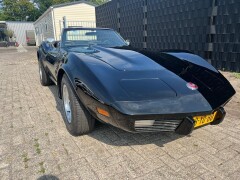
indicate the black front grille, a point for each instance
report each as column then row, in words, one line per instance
column 159, row 126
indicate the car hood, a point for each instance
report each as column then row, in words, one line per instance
column 142, row 81
column 124, row 60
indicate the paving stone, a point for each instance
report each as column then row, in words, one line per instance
column 230, row 166
column 210, row 176
column 214, row 158
column 190, row 160
column 227, row 154
column 171, row 162
column 234, row 176
column 4, row 174
column 85, row 172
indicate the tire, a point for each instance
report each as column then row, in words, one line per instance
column 44, row 77
column 79, row 121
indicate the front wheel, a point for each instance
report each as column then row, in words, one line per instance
column 44, row 77
column 76, row 117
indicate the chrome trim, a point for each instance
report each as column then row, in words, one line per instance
column 159, row 126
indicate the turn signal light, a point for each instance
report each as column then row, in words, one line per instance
column 103, row 112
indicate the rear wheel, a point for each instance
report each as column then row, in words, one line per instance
column 76, row 117
column 44, row 78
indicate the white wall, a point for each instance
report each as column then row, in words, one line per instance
column 44, row 27
column 77, row 12
column 53, row 18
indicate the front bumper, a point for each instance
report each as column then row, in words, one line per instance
column 180, row 123
column 187, row 125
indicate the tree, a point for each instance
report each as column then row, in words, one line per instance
column 19, row 10
column 1, row 12
column 98, row 2
column 2, row 18
column 9, row 33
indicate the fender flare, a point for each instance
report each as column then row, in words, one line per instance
column 71, row 69
column 64, row 70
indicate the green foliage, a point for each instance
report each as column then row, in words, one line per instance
column 19, row 10
column 1, row 14
column 237, row 75
column 9, row 33
column 98, row 2
column 2, row 18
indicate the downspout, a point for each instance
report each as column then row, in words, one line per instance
column 54, row 23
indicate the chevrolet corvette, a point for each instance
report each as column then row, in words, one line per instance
column 101, row 77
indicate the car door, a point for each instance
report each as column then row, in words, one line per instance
column 45, row 50
column 53, row 59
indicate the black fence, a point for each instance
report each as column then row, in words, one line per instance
column 209, row 28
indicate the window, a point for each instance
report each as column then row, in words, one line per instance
column 85, row 37
column 80, row 35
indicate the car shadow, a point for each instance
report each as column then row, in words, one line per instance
column 116, row 137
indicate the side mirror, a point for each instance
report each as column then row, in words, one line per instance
column 128, row 42
column 56, row 44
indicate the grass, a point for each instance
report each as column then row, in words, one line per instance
column 48, row 140
column 237, row 75
column 42, row 169
column 25, row 160
column 37, row 146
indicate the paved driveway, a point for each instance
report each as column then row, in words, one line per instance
column 34, row 142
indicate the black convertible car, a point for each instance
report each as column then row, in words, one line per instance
column 100, row 77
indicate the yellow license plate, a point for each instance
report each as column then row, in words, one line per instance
column 203, row 120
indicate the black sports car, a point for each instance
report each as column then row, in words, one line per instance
column 100, row 77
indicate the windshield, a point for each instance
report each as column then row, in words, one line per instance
column 88, row 37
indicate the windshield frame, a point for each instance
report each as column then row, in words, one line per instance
column 64, row 32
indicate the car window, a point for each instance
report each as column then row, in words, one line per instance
column 80, row 35
column 88, row 37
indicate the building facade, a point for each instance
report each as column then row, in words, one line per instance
column 209, row 28
column 50, row 24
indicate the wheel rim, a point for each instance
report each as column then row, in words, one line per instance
column 66, row 102
column 40, row 73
